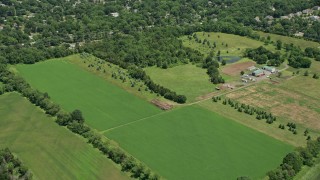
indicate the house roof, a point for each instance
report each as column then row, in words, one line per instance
column 259, row 71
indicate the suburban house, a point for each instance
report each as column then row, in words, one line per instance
column 314, row 18
column 316, row 8
column 258, row 73
column 284, row 17
column 270, row 69
column 299, row 34
column 307, row 11
column 269, row 17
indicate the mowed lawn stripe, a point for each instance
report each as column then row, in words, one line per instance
column 49, row 150
column 103, row 104
column 194, row 143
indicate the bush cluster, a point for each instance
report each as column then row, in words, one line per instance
column 293, row 162
column 11, row 166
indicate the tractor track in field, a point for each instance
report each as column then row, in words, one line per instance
column 132, row 122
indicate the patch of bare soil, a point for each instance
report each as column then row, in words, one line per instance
column 299, row 114
column 235, row 69
column 161, row 105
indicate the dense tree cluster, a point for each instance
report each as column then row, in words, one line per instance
column 313, row 53
column 11, row 167
column 293, row 162
column 297, row 60
column 263, row 56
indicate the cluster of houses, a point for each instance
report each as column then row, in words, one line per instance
column 306, row 12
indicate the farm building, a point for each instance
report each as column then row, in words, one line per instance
column 258, row 73
column 270, row 69
column 251, row 68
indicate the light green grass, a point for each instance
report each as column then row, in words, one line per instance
column 50, row 151
column 106, row 73
column 305, row 84
column 103, row 104
column 194, row 143
column 188, row 80
column 309, row 173
column 288, row 40
column 234, row 42
column 261, row 126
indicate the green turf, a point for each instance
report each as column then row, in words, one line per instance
column 288, row 40
column 103, row 104
column 309, row 173
column 236, row 44
column 188, row 80
column 194, row 143
column 50, row 151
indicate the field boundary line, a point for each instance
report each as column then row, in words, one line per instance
column 142, row 119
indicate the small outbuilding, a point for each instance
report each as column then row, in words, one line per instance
column 269, row 68
column 258, row 73
column 251, row 68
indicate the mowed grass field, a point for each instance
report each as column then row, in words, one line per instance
column 194, row 143
column 227, row 44
column 295, row 41
column 50, row 151
column 188, row 79
column 103, row 104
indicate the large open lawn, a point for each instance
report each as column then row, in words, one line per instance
column 50, row 151
column 194, row 143
column 288, row 40
column 103, row 104
column 227, row 44
column 187, row 79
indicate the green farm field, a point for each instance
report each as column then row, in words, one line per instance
column 194, row 143
column 103, row 104
column 187, row 79
column 167, row 141
column 49, row 150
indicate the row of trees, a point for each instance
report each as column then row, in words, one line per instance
column 76, row 123
column 293, row 162
column 11, row 167
column 240, row 107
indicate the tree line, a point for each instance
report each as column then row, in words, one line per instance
column 294, row 161
column 243, row 108
column 75, row 122
column 11, row 167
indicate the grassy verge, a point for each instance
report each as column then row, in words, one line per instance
column 188, row 80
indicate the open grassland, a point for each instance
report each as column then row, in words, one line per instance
column 309, row 173
column 261, row 126
column 288, row 40
column 107, row 69
column 305, row 84
column 187, row 79
column 103, row 104
column 194, row 143
column 227, row 44
column 283, row 101
column 50, row 151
